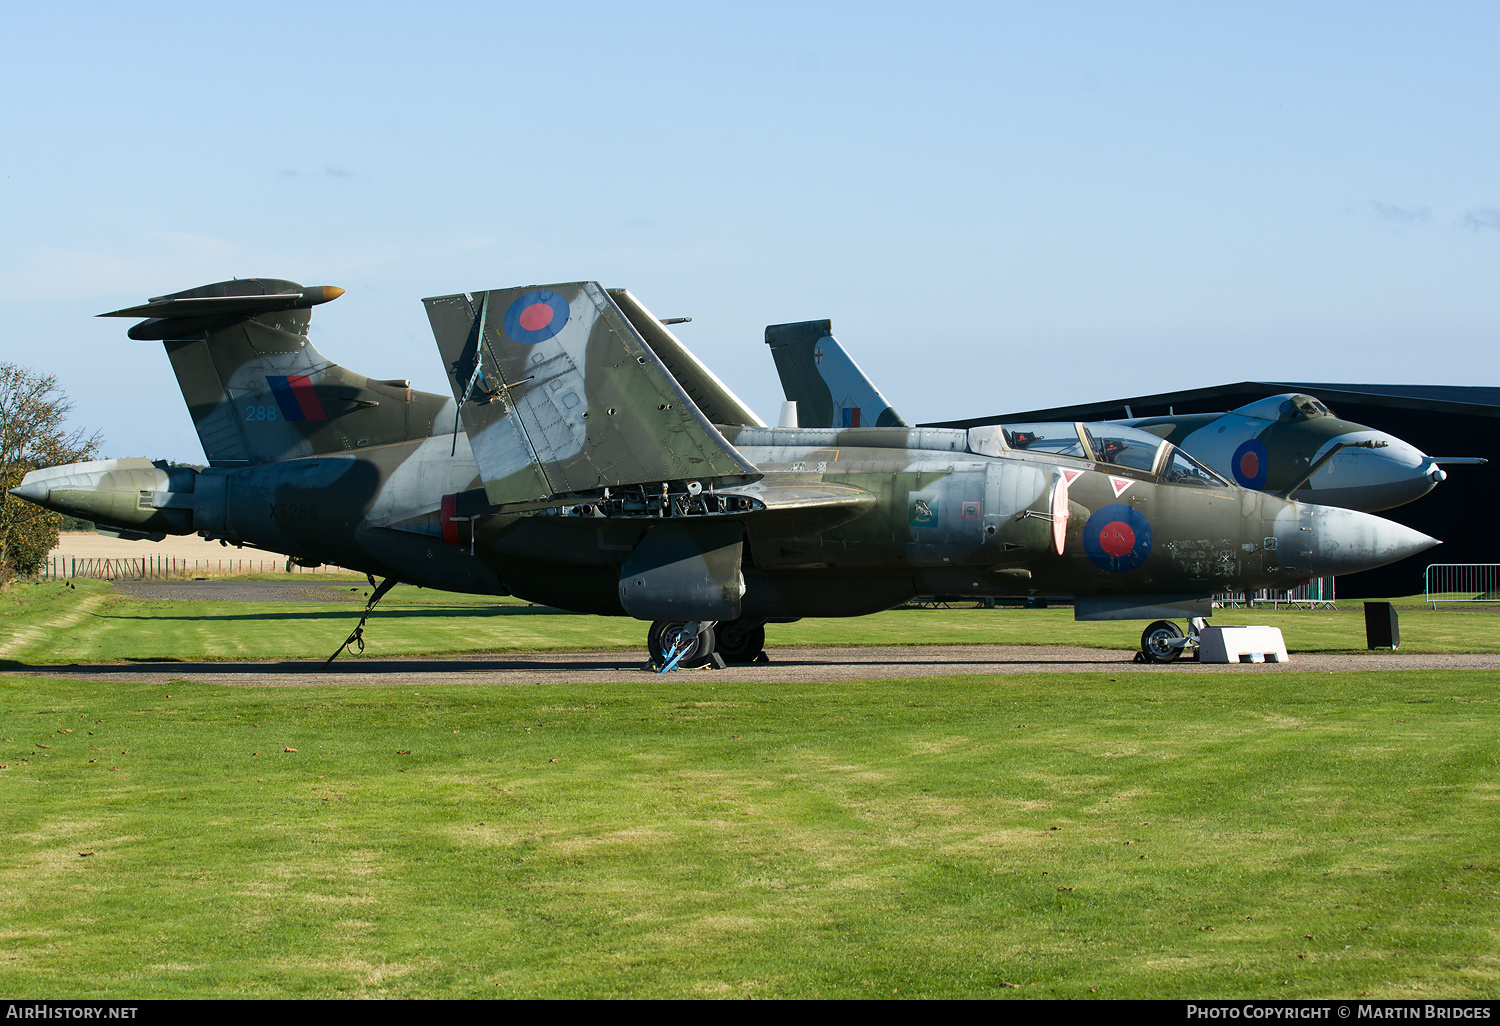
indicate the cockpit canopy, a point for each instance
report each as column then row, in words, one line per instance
column 1283, row 408
column 1114, row 444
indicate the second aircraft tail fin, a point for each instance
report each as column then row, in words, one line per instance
column 828, row 387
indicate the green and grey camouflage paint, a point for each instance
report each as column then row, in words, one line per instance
column 588, row 475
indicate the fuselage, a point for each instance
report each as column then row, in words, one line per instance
column 939, row 518
column 600, row 467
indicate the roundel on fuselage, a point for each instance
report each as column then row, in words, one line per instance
column 536, row 317
column 1117, row 538
column 1250, row 464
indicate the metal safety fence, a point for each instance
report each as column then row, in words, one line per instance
column 1317, row 593
column 1461, row 582
column 148, row 568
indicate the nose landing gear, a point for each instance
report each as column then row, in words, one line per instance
column 1164, row 642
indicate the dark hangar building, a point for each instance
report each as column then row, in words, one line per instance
column 1441, row 420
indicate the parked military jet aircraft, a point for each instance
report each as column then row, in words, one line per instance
column 1290, row 445
column 589, row 461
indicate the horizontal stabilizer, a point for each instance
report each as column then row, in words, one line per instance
column 213, row 306
column 187, row 314
column 560, row 395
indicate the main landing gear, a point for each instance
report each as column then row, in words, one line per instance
column 686, row 645
column 1164, row 642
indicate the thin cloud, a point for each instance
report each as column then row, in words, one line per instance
column 1484, row 217
column 1391, row 212
column 343, row 174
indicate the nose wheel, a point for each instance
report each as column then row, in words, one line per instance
column 1164, row 641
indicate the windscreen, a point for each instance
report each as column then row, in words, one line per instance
column 1180, row 468
column 1124, row 446
column 1283, row 408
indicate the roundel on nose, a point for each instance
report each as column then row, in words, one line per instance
column 1250, row 464
column 1117, row 538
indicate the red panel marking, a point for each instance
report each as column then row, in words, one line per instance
column 1249, row 465
column 854, row 417
column 450, row 528
column 536, row 317
column 1117, row 538
column 302, row 388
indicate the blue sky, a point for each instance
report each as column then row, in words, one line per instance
column 1000, row 206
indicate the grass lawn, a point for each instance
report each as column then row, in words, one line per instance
column 54, row 623
column 1023, row 835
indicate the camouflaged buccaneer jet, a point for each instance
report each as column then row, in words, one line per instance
column 588, row 460
column 1290, row 445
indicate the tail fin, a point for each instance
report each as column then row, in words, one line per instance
column 258, row 390
column 828, row 387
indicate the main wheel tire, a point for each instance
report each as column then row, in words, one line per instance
column 740, row 641
column 663, row 638
column 1154, row 642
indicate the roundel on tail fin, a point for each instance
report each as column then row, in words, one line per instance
column 536, row 317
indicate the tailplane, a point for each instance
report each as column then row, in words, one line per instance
column 258, row 390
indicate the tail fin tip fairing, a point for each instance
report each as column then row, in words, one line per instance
column 560, row 395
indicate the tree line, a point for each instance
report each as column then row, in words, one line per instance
column 33, row 435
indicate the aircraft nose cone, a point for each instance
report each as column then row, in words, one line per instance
column 31, row 491
column 1346, row 541
column 1392, row 473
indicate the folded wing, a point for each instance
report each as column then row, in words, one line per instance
column 560, row 395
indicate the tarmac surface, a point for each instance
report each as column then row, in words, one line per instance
column 787, row 665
